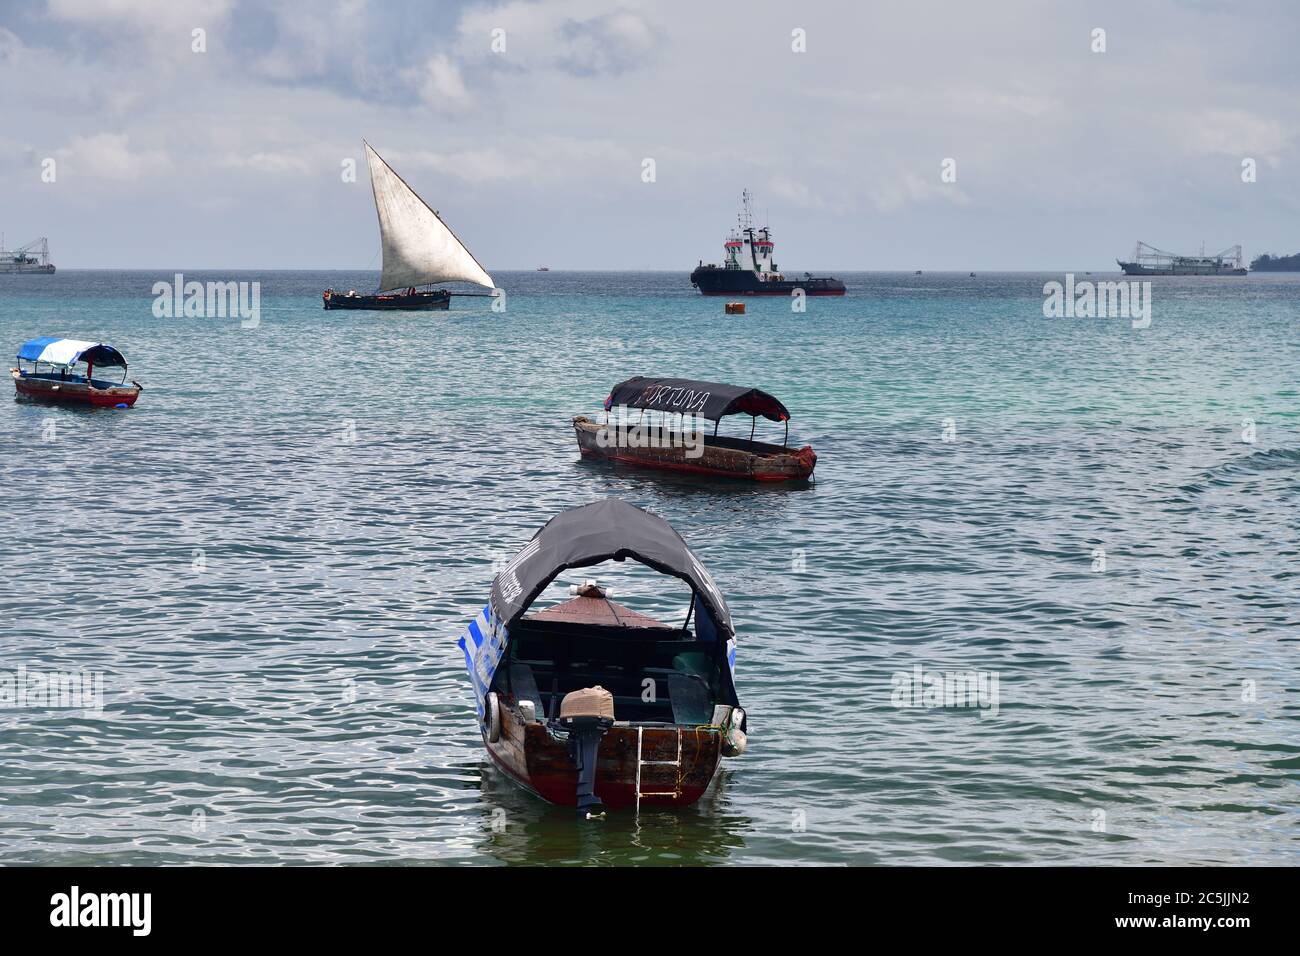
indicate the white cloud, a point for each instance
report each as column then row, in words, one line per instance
column 532, row 159
column 270, row 162
column 441, row 85
column 1234, row 132
column 151, row 16
column 579, row 37
column 108, row 156
column 792, row 192
column 901, row 188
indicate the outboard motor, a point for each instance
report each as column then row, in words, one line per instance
column 587, row 714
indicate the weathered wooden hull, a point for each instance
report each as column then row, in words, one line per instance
column 541, row 764
column 394, row 302
column 789, row 465
column 50, row 390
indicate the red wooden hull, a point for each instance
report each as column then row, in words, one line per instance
column 75, row 392
column 542, row 765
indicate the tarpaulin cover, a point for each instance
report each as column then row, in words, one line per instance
column 712, row 400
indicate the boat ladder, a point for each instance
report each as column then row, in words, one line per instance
column 640, row 762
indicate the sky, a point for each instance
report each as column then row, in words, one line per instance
column 233, row 156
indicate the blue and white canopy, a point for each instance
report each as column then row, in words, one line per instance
column 54, row 351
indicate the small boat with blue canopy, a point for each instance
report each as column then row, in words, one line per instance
column 63, row 370
column 589, row 703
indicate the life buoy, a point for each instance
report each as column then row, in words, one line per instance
column 492, row 717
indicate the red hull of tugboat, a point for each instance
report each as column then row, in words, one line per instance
column 76, row 392
column 543, row 765
column 785, row 293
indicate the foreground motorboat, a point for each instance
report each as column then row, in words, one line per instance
column 672, row 440
column 589, row 703
column 54, row 376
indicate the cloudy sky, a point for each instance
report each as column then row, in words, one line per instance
column 232, row 158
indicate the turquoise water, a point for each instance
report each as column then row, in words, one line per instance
column 270, row 558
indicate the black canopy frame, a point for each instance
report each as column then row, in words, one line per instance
column 609, row 530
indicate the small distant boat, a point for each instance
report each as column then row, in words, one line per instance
column 972, row 275
column 657, row 445
column 917, row 272
column 543, row 268
column 561, row 693
column 61, row 382
column 419, row 250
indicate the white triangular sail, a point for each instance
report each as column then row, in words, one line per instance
column 418, row 247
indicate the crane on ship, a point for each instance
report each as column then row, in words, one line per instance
column 36, row 252
column 1148, row 255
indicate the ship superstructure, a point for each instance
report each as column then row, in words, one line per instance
column 1150, row 261
column 31, row 258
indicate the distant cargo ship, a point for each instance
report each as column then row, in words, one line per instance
column 749, row 269
column 31, row 258
column 1150, row 261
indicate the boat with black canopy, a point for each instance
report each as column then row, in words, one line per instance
column 419, row 250
column 674, row 439
column 63, row 370
column 589, row 703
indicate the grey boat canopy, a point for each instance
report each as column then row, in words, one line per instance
column 711, row 400
column 609, row 530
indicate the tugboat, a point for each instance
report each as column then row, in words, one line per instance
column 419, row 250
column 749, row 269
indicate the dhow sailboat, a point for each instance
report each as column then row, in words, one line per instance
column 419, row 250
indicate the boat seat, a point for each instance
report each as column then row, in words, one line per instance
column 524, row 686
column 681, row 697
column 689, row 696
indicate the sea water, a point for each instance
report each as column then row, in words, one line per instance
column 1040, row 605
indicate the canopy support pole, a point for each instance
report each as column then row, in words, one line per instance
column 785, row 442
column 753, row 423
